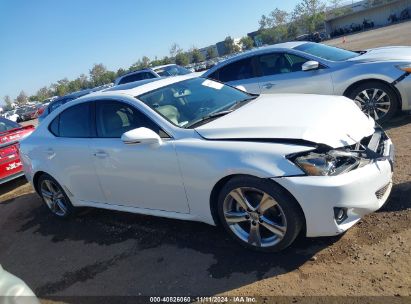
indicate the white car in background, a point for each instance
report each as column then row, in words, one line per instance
column 264, row 167
column 12, row 115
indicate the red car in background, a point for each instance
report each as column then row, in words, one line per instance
column 10, row 134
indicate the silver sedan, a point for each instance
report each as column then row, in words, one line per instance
column 376, row 79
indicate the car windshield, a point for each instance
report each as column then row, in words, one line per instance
column 189, row 102
column 326, row 52
column 171, row 70
column 6, row 125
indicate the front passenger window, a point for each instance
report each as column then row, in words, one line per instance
column 114, row 118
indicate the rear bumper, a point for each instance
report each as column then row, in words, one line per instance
column 404, row 88
column 11, row 177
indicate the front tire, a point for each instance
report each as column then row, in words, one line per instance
column 54, row 197
column 259, row 214
column 375, row 99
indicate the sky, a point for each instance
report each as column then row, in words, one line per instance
column 44, row 41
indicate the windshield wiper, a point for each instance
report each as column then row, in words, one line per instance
column 241, row 102
column 208, row 117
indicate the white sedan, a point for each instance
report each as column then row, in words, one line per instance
column 264, row 167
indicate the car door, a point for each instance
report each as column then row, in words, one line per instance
column 239, row 73
column 282, row 73
column 68, row 154
column 135, row 175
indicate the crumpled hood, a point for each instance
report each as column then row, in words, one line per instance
column 394, row 53
column 331, row 120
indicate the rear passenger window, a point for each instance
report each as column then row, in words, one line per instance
column 54, row 126
column 73, row 122
column 241, row 69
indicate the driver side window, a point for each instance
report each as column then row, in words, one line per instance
column 279, row 63
column 114, row 118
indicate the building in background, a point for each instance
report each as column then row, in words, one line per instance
column 355, row 13
column 204, row 50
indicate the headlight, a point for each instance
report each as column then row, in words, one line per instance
column 405, row 67
column 327, row 164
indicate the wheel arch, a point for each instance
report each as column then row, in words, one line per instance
column 362, row 81
column 36, row 177
column 220, row 184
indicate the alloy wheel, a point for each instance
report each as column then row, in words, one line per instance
column 254, row 217
column 53, row 197
column 374, row 102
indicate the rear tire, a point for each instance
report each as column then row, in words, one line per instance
column 376, row 99
column 259, row 214
column 54, row 197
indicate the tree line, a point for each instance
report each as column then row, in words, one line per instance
column 277, row 26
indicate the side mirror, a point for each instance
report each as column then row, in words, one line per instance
column 141, row 136
column 242, row 88
column 310, row 65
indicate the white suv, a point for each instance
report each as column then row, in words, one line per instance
column 154, row 72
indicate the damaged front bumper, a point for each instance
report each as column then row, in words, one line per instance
column 358, row 192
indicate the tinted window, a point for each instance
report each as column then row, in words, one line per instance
column 214, row 75
column 326, row 52
column 75, row 121
column 54, row 126
column 136, row 77
column 171, row 70
column 296, row 62
column 275, row 63
column 241, row 69
column 113, row 118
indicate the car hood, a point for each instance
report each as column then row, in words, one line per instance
column 394, row 53
column 331, row 120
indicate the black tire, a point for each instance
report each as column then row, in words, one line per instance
column 69, row 210
column 290, row 209
column 370, row 86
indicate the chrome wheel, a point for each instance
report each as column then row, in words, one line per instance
column 53, row 197
column 374, row 102
column 254, row 217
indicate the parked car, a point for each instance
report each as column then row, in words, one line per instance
column 10, row 135
column 57, row 102
column 40, row 109
column 12, row 115
column 376, row 79
column 29, row 113
column 264, row 167
column 154, row 72
column 13, row 290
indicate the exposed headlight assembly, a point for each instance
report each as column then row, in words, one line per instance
column 405, row 67
column 327, row 164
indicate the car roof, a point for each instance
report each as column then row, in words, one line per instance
column 146, row 86
column 145, row 70
column 131, row 85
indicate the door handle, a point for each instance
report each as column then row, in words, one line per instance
column 100, row 154
column 268, row 85
column 50, row 152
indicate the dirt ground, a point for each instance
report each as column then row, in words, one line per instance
column 112, row 253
